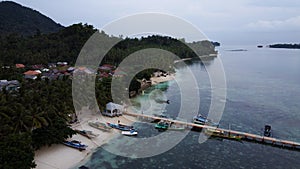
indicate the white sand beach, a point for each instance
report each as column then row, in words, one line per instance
column 63, row 157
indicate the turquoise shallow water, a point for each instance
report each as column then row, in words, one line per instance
column 263, row 87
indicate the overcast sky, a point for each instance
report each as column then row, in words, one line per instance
column 228, row 21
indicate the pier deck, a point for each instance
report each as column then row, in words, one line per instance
column 246, row 136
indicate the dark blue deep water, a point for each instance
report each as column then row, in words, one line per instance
column 263, row 87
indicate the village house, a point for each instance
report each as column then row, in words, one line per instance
column 12, row 85
column 31, row 74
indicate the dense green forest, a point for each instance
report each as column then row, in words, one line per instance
column 66, row 44
column 15, row 18
column 37, row 115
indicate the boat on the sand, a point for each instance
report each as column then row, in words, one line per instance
column 75, row 144
column 100, row 126
column 87, row 133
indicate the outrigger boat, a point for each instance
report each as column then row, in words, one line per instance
column 221, row 134
column 86, row 133
column 75, row 144
column 100, row 126
column 121, row 127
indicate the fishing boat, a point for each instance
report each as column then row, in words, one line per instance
column 175, row 128
column 87, row 133
column 100, row 126
column 130, row 133
column 121, row 127
column 75, row 144
column 168, row 126
column 162, row 125
column 222, row 134
column 199, row 119
column 267, row 131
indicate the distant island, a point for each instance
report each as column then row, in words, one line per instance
column 237, row 50
column 216, row 43
column 286, row 46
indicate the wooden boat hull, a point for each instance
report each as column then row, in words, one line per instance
column 220, row 134
column 87, row 134
column 100, row 126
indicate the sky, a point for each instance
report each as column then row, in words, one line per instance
column 231, row 22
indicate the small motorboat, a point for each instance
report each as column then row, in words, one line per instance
column 75, row 144
column 267, row 131
column 130, row 133
column 199, row 119
column 162, row 125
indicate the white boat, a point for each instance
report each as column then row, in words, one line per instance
column 130, row 133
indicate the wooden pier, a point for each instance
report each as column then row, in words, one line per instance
column 245, row 136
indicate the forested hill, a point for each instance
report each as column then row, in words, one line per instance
column 50, row 42
column 66, row 44
column 15, row 18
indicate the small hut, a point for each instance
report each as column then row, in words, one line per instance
column 113, row 109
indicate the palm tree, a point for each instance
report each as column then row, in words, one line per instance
column 36, row 117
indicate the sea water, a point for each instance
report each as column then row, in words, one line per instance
column 263, row 87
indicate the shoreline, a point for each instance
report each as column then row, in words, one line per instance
column 61, row 156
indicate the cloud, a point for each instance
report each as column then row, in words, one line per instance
column 290, row 24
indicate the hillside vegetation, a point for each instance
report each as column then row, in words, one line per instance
column 15, row 18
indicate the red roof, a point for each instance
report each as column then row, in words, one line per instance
column 31, row 72
column 20, row 66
